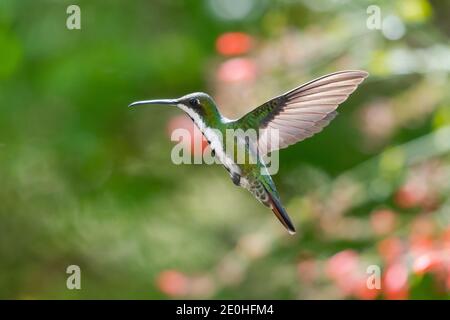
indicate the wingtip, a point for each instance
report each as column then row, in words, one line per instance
column 365, row 74
column 361, row 73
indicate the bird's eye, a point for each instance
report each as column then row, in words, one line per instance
column 194, row 102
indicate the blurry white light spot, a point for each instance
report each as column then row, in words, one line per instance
column 393, row 28
column 436, row 58
column 402, row 61
column 231, row 9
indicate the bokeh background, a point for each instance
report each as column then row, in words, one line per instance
column 84, row 180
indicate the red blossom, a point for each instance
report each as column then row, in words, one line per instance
column 343, row 269
column 448, row 280
column 363, row 291
column 342, row 264
column 172, row 283
column 383, row 221
column 390, row 249
column 237, row 70
column 234, row 43
column 395, row 282
column 446, row 239
column 410, row 195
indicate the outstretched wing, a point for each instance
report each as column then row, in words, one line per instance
column 301, row 112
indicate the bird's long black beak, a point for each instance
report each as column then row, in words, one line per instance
column 171, row 102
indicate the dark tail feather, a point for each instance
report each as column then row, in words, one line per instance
column 280, row 213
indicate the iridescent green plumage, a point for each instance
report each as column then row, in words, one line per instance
column 293, row 116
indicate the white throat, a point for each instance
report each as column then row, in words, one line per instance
column 215, row 142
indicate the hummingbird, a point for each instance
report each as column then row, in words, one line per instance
column 296, row 115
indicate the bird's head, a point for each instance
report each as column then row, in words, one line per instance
column 196, row 104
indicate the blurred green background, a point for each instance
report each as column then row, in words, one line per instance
column 86, row 181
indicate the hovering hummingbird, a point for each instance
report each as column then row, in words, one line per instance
column 296, row 115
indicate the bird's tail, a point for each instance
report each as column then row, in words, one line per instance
column 280, row 213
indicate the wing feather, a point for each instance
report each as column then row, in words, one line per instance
column 300, row 113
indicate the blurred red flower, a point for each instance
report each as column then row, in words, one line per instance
column 446, row 238
column 448, row 279
column 421, row 244
column 172, row 283
column 362, row 291
column 422, row 235
column 342, row 264
column 390, row 249
column 410, row 195
column 395, row 282
column 343, row 269
column 234, row 43
column 237, row 70
column 383, row 221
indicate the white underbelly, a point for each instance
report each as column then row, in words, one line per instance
column 218, row 147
